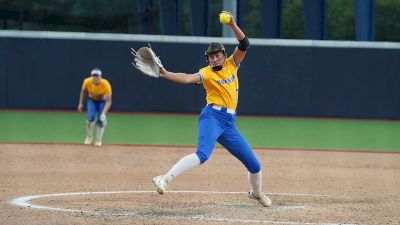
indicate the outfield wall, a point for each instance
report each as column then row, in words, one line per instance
column 45, row 70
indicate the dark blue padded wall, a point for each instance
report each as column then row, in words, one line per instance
column 4, row 53
column 274, row 80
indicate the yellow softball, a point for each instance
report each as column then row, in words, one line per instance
column 224, row 17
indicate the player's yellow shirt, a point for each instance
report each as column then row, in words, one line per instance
column 97, row 92
column 222, row 87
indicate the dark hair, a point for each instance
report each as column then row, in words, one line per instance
column 214, row 47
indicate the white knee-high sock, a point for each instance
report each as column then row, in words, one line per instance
column 89, row 128
column 186, row 163
column 100, row 133
column 255, row 180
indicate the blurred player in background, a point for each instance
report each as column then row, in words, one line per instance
column 98, row 102
column 217, row 119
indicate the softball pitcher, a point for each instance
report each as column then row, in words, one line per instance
column 99, row 101
column 217, row 119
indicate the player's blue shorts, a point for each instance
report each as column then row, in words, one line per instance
column 94, row 107
column 215, row 125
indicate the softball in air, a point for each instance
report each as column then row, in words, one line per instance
column 224, row 17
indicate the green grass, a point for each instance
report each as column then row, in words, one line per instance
column 182, row 131
column 322, row 133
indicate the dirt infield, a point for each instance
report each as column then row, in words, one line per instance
column 306, row 187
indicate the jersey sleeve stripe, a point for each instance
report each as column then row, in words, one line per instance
column 233, row 59
column 201, row 77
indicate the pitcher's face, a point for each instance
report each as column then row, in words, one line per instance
column 216, row 59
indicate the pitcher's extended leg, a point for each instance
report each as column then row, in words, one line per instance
column 185, row 164
column 209, row 131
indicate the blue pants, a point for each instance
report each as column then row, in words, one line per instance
column 94, row 107
column 215, row 125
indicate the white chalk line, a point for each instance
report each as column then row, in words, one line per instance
column 25, row 202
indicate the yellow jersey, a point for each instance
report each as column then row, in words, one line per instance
column 222, row 87
column 97, row 92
